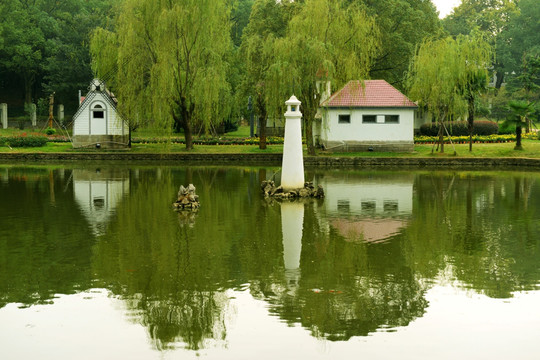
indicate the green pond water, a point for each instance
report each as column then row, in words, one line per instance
column 96, row 264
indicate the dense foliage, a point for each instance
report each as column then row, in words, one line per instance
column 44, row 49
column 461, row 128
column 189, row 66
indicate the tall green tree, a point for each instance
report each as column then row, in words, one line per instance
column 523, row 36
column 446, row 74
column 403, row 24
column 267, row 23
column 44, row 45
column 474, row 57
column 327, row 40
column 520, row 112
column 240, row 16
column 491, row 17
column 25, row 31
column 172, row 61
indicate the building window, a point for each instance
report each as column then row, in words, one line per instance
column 343, row 206
column 369, row 206
column 369, row 119
column 98, row 112
column 344, row 119
column 390, row 206
column 391, row 119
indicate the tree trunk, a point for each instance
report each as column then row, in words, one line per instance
column 518, row 138
column 28, row 85
column 441, row 135
column 309, row 136
column 261, row 110
column 470, row 120
column 188, row 135
column 310, row 111
column 183, row 120
column 499, row 79
column 262, row 130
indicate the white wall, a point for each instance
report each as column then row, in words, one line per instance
column 331, row 130
column 115, row 125
column 368, row 196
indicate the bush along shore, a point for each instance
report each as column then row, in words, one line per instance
column 38, row 140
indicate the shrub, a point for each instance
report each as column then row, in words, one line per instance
column 25, row 141
column 465, row 139
column 485, row 127
column 507, row 128
column 50, row 131
column 460, row 128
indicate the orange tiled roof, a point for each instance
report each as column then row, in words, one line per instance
column 373, row 93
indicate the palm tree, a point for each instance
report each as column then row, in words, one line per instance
column 520, row 111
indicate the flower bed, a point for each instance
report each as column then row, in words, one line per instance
column 271, row 140
column 465, row 139
column 58, row 138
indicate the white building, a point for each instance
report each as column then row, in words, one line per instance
column 97, row 122
column 366, row 116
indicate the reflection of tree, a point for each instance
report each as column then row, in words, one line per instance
column 45, row 243
column 349, row 289
column 173, row 276
column 190, row 316
column 481, row 228
column 479, row 225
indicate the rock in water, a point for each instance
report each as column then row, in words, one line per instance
column 269, row 189
column 187, row 199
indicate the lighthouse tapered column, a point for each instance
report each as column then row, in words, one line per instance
column 292, row 170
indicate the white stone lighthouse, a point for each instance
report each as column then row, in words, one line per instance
column 292, row 170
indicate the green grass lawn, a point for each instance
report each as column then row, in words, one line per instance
column 531, row 147
column 531, row 150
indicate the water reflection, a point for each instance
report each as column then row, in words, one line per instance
column 367, row 207
column 360, row 261
column 98, row 193
column 45, row 248
column 292, row 221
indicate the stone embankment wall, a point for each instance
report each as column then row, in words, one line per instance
column 275, row 160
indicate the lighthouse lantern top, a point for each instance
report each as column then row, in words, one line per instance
column 293, row 106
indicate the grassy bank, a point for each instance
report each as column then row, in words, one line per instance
column 531, row 147
column 531, row 150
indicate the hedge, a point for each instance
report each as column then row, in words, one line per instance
column 271, row 140
column 465, row 139
column 460, row 128
column 24, row 141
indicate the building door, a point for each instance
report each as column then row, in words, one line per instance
column 98, row 121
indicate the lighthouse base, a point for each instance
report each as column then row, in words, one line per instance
column 269, row 189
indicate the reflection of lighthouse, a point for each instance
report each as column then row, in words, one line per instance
column 292, row 221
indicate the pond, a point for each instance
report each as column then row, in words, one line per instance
column 410, row 264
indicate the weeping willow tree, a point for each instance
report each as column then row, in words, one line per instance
column 267, row 22
column 168, row 60
column 445, row 76
column 475, row 57
column 327, row 40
